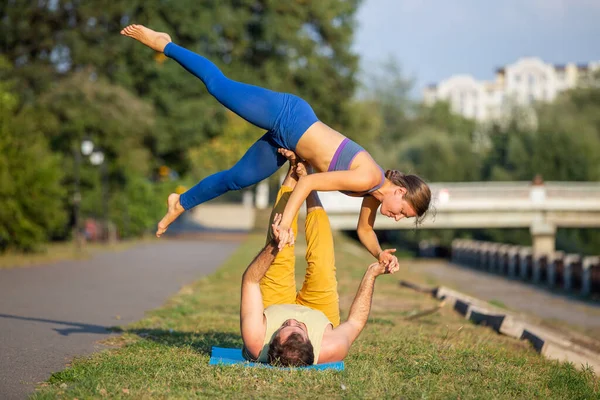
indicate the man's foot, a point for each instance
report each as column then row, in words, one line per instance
column 298, row 167
column 155, row 40
column 174, row 210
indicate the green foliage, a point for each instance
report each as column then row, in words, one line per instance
column 139, row 207
column 568, row 139
column 225, row 150
column 86, row 106
column 388, row 89
column 296, row 46
column 31, row 197
column 416, row 155
column 565, row 145
column 441, row 117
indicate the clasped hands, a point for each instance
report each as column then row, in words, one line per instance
column 389, row 261
column 282, row 235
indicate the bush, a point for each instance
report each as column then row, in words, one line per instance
column 31, row 196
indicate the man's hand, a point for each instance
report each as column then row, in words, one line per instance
column 378, row 269
column 275, row 226
column 298, row 166
column 285, row 237
column 281, row 235
column 389, row 260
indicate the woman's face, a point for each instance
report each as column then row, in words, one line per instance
column 395, row 206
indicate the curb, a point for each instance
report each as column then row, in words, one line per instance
column 550, row 344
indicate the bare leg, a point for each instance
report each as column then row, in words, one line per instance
column 155, row 40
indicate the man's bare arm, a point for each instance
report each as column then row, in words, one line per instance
column 252, row 325
column 337, row 342
column 260, row 265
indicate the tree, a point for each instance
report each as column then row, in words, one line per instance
column 85, row 106
column 440, row 116
column 567, row 144
column 31, row 197
column 295, row 46
column 139, row 206
column 389, row 90
column 439, row 157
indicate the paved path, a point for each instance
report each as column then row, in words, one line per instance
column 48, row 314
column 516, row 295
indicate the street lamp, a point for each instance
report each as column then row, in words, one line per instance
column 97, row 159
column 76, row 200
column 87, row 146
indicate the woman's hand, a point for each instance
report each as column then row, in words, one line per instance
column 275, row 226
column 389, row 260
column 282, row 235
column 286, row 236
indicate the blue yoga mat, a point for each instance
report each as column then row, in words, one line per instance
column 225, row 356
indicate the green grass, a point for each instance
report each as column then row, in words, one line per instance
column 60, row 251
column 498, row 303
column 438, row 356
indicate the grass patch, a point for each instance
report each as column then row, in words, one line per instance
column 437, row 356
column 498, row 304
column 60, row 251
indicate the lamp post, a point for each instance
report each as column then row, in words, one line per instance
column 97, row 159
column 76, row 200
column 86, row 148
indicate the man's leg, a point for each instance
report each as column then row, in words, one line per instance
column 279, row 284
column 319, row 290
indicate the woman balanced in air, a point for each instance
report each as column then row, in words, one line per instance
column 291, row 124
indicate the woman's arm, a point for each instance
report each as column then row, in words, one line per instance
column 366, row 220
column 356, row 180
column 369, row 239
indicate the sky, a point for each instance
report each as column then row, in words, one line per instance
column 434, row 39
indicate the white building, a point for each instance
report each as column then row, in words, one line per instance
column 526, row 81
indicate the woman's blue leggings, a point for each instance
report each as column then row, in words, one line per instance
column 285, row 117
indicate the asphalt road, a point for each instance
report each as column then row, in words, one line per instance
column 51, row 313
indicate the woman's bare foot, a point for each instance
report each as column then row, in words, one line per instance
column 155, row 40
column 174, row 210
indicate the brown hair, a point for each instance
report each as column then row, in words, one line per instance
column 418, row 194
column 295, row 352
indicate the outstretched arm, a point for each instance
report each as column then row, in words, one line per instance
column 367, row 236
column 336, row 343
column 252, row 324
column 366, row 220
column 353, row 180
